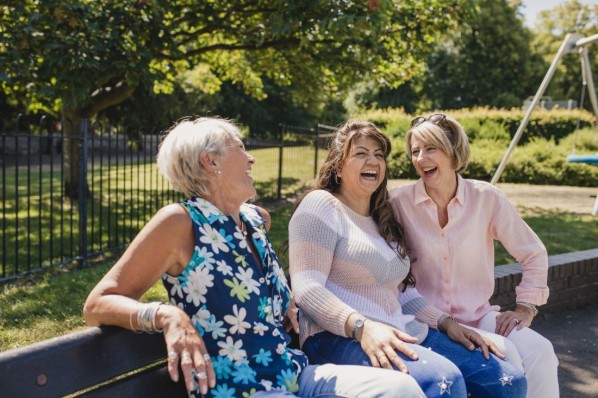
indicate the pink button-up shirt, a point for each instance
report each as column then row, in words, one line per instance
column 454, row 265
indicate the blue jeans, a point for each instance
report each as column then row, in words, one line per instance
column 444, row 367
column 346, row 381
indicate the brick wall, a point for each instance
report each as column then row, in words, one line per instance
column 572, row 279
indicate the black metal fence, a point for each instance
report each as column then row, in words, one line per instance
column 68, row 200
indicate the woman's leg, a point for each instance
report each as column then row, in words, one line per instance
column 356, row 381
column 505, row 346
column 540, row 363
column 492, row 378
column 436, row 375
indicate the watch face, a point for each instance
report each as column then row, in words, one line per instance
column 358, row 323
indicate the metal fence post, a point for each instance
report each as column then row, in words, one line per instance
column 316, row 148
column 83, row 192
column 280, row 154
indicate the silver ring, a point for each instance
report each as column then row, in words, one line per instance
column 173, row 355
column 207, row 357
column 202, row 375
column 517, row 321
column 295, row 310
column 185, row 357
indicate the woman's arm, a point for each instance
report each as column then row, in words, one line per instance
column 525, row 246
column 165, row 244
column 313, row 235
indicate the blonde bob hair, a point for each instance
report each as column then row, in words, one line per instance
column 178, row 153
column 447, row 135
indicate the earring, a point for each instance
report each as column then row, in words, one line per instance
column 336, row 176
column 217, row 172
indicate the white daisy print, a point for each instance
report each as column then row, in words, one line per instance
column 237, row 322
column 259, row 328
column 246, row 277
column 211, row 236
column 224, row 268
column 231, row 349
column 197, row 285
column 206, row 207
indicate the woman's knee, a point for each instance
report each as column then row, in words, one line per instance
column 536, row 351
column 436, row 374
column 500, row 380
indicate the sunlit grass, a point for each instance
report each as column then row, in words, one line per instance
column 52, row 307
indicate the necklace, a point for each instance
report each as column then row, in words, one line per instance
column 243, row 229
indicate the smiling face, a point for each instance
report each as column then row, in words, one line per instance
column 235, row 164
column 431, row 163
column 364, row 169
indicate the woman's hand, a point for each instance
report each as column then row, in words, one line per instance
column 509, row 320
column 471, row 339
column 381, row 342
column 185, row 345
column 291, row 319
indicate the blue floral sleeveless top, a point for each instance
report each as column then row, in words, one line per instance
column 236, row 304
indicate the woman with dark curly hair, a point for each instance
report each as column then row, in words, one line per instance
column 349, row 265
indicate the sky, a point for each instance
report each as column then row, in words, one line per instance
column 531, row 8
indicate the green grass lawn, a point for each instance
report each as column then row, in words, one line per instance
column 41, row 309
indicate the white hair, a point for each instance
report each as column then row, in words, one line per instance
column 178, row 153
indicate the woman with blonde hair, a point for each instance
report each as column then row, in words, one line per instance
column 228, row 296
column 451, row 224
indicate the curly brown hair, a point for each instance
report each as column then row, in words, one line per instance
column 380, row 209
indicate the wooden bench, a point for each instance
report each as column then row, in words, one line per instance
column 96, row 362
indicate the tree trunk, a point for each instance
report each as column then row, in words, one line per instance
column 73, row 183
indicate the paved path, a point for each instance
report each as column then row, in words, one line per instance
column 574, row 335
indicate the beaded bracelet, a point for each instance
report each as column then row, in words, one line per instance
column 441, row 320
column 532, row 307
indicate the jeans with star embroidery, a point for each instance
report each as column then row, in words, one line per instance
column 444, row 368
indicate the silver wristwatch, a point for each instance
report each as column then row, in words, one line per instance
column 358, row 325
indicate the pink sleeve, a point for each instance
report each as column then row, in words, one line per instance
column 525, row 246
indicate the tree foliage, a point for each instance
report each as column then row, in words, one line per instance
column 85, row 55
column 550, row 31
column 79, row 57
column 484, row 61
column 487, row 61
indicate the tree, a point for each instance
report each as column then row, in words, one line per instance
column 487, row 61
column 78, row 57
column 550, row 31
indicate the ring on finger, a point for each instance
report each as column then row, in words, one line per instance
column 295, row 310
column 173, row 355
column 202, row 375
column 517, row 321
column 185, row 357
column 207, row 357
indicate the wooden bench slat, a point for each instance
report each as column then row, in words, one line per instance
column 155, row 383
column 73, row 362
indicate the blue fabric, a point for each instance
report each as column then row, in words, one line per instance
column 444, row 368
column 237, row 304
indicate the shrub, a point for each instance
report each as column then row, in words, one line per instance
column 539, row 158
column 582, row 141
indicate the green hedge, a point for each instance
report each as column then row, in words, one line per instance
column 539, row 158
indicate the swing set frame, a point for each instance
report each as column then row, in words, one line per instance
column 572, row 42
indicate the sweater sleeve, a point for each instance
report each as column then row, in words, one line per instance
column 525, row 246
column 415, row 304
column 313, row 236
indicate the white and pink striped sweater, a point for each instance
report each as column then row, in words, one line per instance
column 340, row 264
